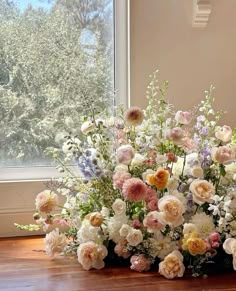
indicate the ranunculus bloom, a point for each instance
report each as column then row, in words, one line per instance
column 119, row 206
column 119, row 178
column 91, row 255
column 159, row 179
column 95, row 219
column 134, row 116
column 195, row 245
column 87, row 127
column 125, row 154
column 224, row 133
column 46, row 201
column 172, row 266
column 202, row 190
column 134, row 190
column 140, row 263
column 171, row 210
column 223, row 155
column 183, row 117
column 176, row 135
column 134, row 237
column 54, row 242
column 152, row 222
column 215, row 236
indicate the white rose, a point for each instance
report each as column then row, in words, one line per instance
column 224, row 133
column 134, row 237
column 137, row 160
column 125, row 229
column 54, row 242
column 229, row 246
column 197, row 172
column 119, row 206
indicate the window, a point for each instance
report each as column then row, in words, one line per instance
column 54, row 56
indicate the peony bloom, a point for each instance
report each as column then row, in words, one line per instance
column 46, row 201
column 134, row 116
column 140, row 263
column 134, row 237
column 91, row 255
column 223, row 155
column 224, row 133
column 152, row 221
column 119, row 206
column 119, row 178
column 171, row 210
column 121, row 249
column 202, row 190
column 183, row 117
column 57, row 222
column 159, row 179
column 194, row 244
column 87, row 126
column 125, row 154
column 172, row 266
column 54, row 242
column 134, row 190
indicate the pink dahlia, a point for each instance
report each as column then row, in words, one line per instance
column 134, row 189
column 134, row 116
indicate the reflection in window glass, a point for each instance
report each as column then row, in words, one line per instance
column 56, row 60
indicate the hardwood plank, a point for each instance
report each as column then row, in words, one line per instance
column 24, row 266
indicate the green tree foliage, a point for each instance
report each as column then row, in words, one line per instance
column 50, row 73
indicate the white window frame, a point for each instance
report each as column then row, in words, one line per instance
column 19, row 186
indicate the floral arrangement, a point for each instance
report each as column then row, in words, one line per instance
column 152, row 188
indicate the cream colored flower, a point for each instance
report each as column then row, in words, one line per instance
column 229, row 246
column 223, row 155
column 87, row 126
column 134, row 237
column 125, row 230
column 189, row 228
column 224, row 133
column 204, row 224
column 172, row 266
column 171, row 210
column 119, row 206
column 95, row 219
column 202, row 190
column 54, row 242
column 91, row 255
column 197, row 172
column 46, row 201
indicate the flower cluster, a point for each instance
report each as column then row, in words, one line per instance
column 153, row 187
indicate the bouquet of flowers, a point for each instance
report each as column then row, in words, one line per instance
column 154, row 188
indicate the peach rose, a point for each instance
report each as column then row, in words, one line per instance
column 46, row 201
column 95, row 219
column 159, row 179
column 91, row 255
column 152, row 222
column 224, row 133
column 171, row 210
column 172, row 266
column 183, row 117
column 202, row 191
column 121, row 249
column 223, row 155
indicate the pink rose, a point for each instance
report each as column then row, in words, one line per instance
column 140, row 263
column 183, row 117
column 224, row 133
column 152, row 204
column 152, row 221
column 125, row 154
column 121, row 249
column 224, row 155
column 176, row 135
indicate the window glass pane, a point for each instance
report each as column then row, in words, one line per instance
column 56, row 60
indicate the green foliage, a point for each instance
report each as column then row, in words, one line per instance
column 49, row 75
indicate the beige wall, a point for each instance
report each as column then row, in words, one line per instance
column 191, row 59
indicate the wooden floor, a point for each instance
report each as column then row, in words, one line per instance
column 24, row 266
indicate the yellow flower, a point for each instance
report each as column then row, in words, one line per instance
column 159, row 179
column 194, row 244
column 95, row 218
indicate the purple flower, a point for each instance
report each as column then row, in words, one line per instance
column 204, row 130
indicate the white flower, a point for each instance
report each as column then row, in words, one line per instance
column 204, row 224
column 162, row 245
column 46, row 201
column 87, row 127
column 137, row 160
column 114, row 225
column 189, row 228
column 54, row 242
column 214, row 208
column 172, row 184
column 197, row 172
column 87, row 232
column 125, row 229
column 105, row 211
column 229, row 246
column 119, row 206
column 134, row 237
column 161, row 159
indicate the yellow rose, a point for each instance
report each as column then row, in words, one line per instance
column 159, row 179
column 172, row 266
column 202, row 191
column 194, row 244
